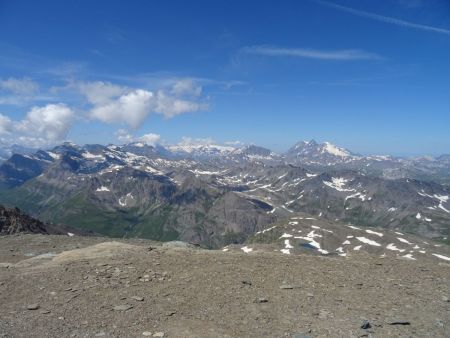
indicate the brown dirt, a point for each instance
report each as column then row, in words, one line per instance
column 199, row 293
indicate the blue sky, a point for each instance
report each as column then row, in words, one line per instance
column 372, row 76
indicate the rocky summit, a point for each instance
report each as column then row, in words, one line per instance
column 13, row 221
column 61, row 286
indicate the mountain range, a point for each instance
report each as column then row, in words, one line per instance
column 217, row 195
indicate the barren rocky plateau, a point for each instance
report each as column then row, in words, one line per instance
column 61, row 286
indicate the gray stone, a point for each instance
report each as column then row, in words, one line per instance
column 289, row 286
column 262, row 300
column 33, row 306
column 366, row 325
column 399, row 322
column 123, row 307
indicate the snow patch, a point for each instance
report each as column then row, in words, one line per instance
column 336, row 151
column 368, row 241
column 392, row 247
column 404, row 240
column 442, row 257
column 379, row 234
column 287, row 245
column 266, row 230
column 409, row 256
column 246, row 249
column 338, row 184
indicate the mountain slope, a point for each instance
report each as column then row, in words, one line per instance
column 140, row 190
column 13, row 221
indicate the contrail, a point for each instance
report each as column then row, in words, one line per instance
column 383, row 18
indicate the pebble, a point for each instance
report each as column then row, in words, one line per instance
column 33, row 306
column 262, row 300
column 366, row 325
column 288, row 286
column 146, row 333
column 399, row 322
column 159, row 334
column 324, row 314
column 445, row 299
column 123, row 307
column 139, row 299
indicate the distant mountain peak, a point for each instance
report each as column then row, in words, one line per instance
column 335, row 150
column 319, row 153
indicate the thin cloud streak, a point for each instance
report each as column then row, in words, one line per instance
column 339, row 55
column 383, row 18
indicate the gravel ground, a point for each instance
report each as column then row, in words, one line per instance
column 58, row 286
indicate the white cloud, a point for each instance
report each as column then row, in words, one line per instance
column 196, row 141
column 339, row 55
column 6, row 125
column 23, row 86
column 117, row 104
column 150, row 139
column 41, row 127
column 170, row 106
column 125, row 137
column 186, row 87
column 104, row 101
column 100, row 92
column 234, row 143
column 131, row 108
column 45, row 125
column 386, row 19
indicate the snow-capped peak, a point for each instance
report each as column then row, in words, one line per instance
column 334, row 150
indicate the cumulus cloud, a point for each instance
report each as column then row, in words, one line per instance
column 125, row 137
column 131, row 108
column 234, row 143
column 20, row 86
column 186, row 87
column 100, row 92
column 6, row 125
column 117, row 104
column 150, row 139
column 42, row 126
column 46, row 125
column 196, row 141
column 170, row 106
